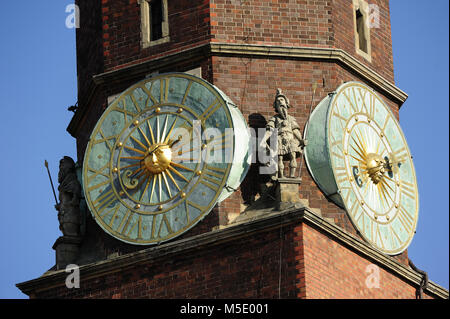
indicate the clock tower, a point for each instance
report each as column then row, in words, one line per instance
column 153, row 226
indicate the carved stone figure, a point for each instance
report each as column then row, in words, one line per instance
column 69, row 216
column 289, row 139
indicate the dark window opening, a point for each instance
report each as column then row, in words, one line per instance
column 361, row 32
column 156, row 18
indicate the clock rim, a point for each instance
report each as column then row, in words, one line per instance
column 213, row 89
column 383, row 103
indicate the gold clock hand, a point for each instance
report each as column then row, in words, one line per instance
column 152, row 151
column 171, row 144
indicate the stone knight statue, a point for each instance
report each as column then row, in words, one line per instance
column 69, row 216
column 289, row 139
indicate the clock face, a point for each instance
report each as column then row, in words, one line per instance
column 372, row 167
column 158, row 158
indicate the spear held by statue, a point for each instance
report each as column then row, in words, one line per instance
column 51, row 182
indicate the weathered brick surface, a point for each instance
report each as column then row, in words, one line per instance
column 281, row 22
column 333, row 271
column 244, row 268
column 380, row 36
column 302, row 23
column 89, row 44
column 188, row 26
column 312, row 266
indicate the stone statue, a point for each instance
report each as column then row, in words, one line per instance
column 69, row 216
column 289, row 139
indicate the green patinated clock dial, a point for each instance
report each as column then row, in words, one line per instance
column 161, row 156
column 359, row 157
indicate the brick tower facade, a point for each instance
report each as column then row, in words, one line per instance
column 247, row 48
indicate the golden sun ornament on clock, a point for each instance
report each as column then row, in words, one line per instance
column 359, row 157
column 161, row 156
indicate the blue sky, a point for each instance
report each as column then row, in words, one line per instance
column 38, row 83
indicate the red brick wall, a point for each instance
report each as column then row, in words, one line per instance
column 188, row 26
column 281, row 22
column 298, row 23
column 244, row 268
column 89, row 44
column 313, row 265
column 331, row 270
column 380, row 37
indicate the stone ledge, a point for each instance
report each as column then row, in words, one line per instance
column 261, row 223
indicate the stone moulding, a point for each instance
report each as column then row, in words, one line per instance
column 140, row 70
column 243, row 229
column 331, row 54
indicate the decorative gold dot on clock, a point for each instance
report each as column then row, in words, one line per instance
column 183, row 195
column 387, row 218
column 115, row 169
column 376, row 217
column 180, row 110
column 120, row 144
column 396, row 205
column 199, row 173
column 137, row 206
column 160, row 207
column 381, row 134
column 136, row 123
column 121, row 193
column 356, row 119
column 362, row 203
column 158, row 109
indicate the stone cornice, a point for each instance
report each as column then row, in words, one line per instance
column 243, row 229
column 330, row 54
column 140, row 70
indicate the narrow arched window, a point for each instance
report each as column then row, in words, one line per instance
column 360, row 23
column 361, row 16
column 154, row 22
